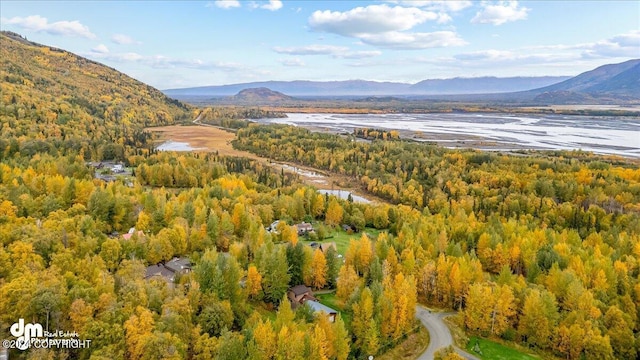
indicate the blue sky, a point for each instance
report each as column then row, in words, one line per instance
column 171, row 44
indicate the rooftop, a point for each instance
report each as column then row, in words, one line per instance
column 318, row 307
column 300, row 289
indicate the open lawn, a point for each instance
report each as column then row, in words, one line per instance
column 342, row 238
column 331, row 301
column 494, row 351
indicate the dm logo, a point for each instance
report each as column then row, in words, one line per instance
column 24, row 333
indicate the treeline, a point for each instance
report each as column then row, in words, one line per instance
column 165, row 170
column 376, row 134
column 236, row 117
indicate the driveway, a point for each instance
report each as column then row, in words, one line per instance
column 439, row 334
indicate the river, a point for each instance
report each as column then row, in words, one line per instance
column 604, row 135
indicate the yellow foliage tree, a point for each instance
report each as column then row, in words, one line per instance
column 138, row 328
column 334, row 213
column 254, row 281
column 318, row 269
column 348, row 281
column 265, row 340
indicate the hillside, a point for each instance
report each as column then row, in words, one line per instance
column 54, row 95
column 607, row 83
column 626, row 82
column 596, row 80
column 258, row 95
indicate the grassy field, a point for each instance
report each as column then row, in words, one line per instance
column 342, row 239
column 495, row 351
column 331, row 301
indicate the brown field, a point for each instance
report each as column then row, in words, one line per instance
column 206, row 138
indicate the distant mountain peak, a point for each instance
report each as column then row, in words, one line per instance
column 260, row 94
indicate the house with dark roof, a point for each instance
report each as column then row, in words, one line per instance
column 169, row 270
column 304, row 228
column 178, row 265
column 299, row 294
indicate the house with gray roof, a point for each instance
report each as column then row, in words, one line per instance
column 169, row 270
column 320, row 308
column 301, row 294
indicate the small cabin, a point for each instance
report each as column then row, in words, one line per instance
column 304, row 228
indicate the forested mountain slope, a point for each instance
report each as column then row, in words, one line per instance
column 72, row 102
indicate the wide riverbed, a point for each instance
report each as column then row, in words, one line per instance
column 605, row 135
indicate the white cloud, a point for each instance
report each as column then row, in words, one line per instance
column 273, row 5
column 101, row 49
column 358, row 54
column 122, row 39
column 295, row 62
column 631, row 38
column 500, row 13
column 623, row 45
column 373, row 19
column 558, row 59
column 444, row 18
column 224, row 4
column 116, row 57
column 436, row 5
column 311, row 50
column 403, row 40
column 387, row 27
column 38, row 23
column 489, row 55
column 164, row 62
column 337, row 52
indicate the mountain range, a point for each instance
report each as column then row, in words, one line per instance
column 612, row 83
column 480, row 85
